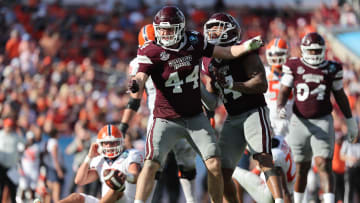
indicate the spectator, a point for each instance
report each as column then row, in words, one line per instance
column 350, row 153
column 10, row 140
column 348, row 17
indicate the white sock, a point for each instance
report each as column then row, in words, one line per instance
column 329, row 197
column 188, row 187
column 138, row 201
column 298, row 197
column 279, row 200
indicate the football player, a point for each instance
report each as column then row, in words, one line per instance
column 241, row 83
column 311, row 131
column 172, row 61
column 184, row 154
column 284, row 165
column 108, row 153
column 276, row 56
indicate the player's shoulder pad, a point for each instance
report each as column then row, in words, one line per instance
column 96, row 161
column 334, row 66
column 150, row 50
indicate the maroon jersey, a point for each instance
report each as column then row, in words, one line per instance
column 312, row 86
column 235, row 102
column 176, row 75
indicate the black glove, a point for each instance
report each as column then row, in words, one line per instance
column 133, row 86
column 123, row 127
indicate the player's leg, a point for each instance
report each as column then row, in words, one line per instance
column 322, row 143
column 299, row 142
column 253, row 184
column 202, row 137
column 185, row 157
column 257, row 131
column 232, row 144
column 160, row 140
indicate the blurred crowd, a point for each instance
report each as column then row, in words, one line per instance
column 63, row 73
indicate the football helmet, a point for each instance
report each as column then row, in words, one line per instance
column 313, row 48
column 171, row 19
column 110, row 141
column 222, row 29
column 277, row 52
column 146, row 34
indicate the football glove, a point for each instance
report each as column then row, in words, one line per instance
column 352, row 129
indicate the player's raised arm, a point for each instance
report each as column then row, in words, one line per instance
column 235, row 51
column 85, row 175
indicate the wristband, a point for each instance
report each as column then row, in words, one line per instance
column 123, row 127
column 87, row 160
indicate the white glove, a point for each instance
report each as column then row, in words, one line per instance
column 254, row 43
column 282, row 113
column 352, row 129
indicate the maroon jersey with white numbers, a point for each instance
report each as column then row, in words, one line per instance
column 176, row 75
column 235, row 102
column 312, row 86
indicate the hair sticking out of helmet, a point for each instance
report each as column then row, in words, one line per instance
column 146, row 34
column 169, row 26
column 222, row 29
column 277, row 52
column 313, row 48
column 111, row 141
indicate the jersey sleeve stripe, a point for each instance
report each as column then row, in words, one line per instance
column 144, row 59
column 287, row 80
column 337, row 85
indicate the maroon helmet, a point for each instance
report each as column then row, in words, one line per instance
column 169, row 17
column 313, row 48
column 226, row 32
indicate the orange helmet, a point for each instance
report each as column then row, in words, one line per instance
column 146, row 33
column 110, row 141
column 277, row 52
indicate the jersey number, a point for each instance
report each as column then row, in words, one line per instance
column 290, row 176
column 174, row 80
column 303, row 91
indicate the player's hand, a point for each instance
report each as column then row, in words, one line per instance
column 281, row 113
column 254, row 43
column 352, row 129
column 224, row 81
column 93, row 152
column 133, row 86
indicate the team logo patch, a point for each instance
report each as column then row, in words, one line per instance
column 300, row 70
column 193, row 39
column 191, row 48
column 164, row 56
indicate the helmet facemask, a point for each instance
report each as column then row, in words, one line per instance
column 176, row 30
column 110, row 147
column 315, row 58
column 216, row 32
column 276, row 57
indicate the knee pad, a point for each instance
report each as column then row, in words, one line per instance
column 189, row 174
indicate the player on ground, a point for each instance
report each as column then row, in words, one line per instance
column 172, row 61
column 241, row 83
column 311, row 130
column 276, row 56
column 284, row 165
column 108, row 153
column 184, row 154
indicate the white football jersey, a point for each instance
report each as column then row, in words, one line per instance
column 283, row 158
column 121, row 163
column 280, row 126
